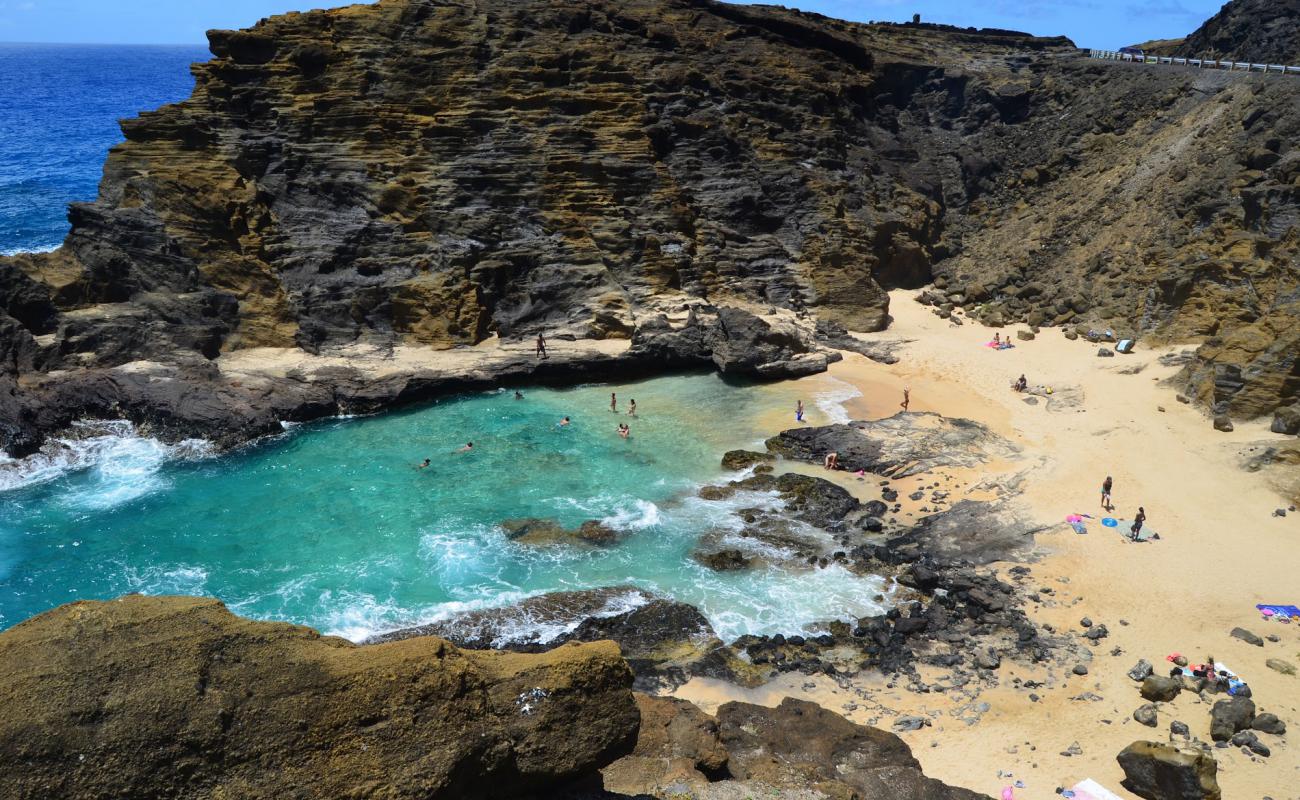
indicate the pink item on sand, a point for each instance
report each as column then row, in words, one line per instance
column 1008, row 793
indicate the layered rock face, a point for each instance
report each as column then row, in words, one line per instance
column 1256, row 30
column 418, row 173
column 176, row 697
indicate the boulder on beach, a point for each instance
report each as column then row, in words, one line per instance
column 155, row 696
column 1158, row 771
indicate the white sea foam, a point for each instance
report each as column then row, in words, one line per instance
column 41, row 248
column 640, row 515
column 831, row 402
column 124, row 464
column 181, row 579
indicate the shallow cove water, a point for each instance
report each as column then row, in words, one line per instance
column 334, row 526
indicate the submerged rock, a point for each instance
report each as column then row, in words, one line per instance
column 533, row 530
column 157, row 696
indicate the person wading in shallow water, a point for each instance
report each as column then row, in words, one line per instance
column 907, row 399
column 798, row 411
column 631, row 407
column 541, row 346
column 613, row 403
column 832, row 461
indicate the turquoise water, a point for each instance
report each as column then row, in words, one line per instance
column 332, row 524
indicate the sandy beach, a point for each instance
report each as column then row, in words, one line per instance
column 1220, row 552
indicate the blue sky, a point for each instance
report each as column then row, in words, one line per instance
column 1091, row 23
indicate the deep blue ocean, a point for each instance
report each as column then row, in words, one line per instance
column 59, row 107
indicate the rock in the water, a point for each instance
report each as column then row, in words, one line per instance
column 1269, row 723
column 1140, row 670
column 1229, row 716
column 532, row 530
column 1160, row 689
column 1247, row 637
column 184, row 694
column 1146, row 714
column 723, row 560
column 1158, row 771
column 1279, row 665
column 814, row 500
column 744, row 459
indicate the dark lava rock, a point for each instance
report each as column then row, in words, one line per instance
column 1247, row 637
column 875, row 508
column 1158, row 771
column 814, row 500
column 724, row 560
column 1229, row 716
column 1251, row 742
column 1105, row 352
column 1178, row 728
column 1140, row 670
column 1286, row 420
column 1146, row 714
column 1096, row 633
column 744, row 459
column 889, row 495
column 872, row 524
column 1222, row 423
column 1159, row 689
column 1269, row 723
column 1080, row 669
column 799, row 744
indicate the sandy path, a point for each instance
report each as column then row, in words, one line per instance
column 1221, row 552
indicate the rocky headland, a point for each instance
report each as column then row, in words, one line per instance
column 372, row 205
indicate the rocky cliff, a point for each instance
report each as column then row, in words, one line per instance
column 662, row 176
column 1262, row 31
column 176, row 697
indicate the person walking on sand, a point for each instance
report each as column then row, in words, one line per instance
column 1136, row 530
column 631, row 407
column 541, row 346
column 613, row 403
column 1105, row 494
column 798, row 411
column 832, row 460
column 907, row 399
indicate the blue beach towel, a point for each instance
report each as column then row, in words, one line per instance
column 1281, row 612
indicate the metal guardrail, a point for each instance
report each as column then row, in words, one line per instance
column 1202, row 63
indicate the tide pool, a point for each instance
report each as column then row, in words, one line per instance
column 333, row 525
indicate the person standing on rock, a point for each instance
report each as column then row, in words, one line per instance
column 613, row 403
column 1105, row 494
column 798, row 411
column 907, row 398
column 541, row 346
column 1136, row 530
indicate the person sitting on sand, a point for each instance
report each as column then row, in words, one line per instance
column 423, row 464
column 1105, row 494
column 832, row 460
column 1136, row 530
column 1022, row 384
column 468, row 447
column 631, row 407
column 624, row 430
column 997, row 338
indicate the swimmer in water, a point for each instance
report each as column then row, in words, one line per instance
column 624, row 430
column 468, row 447
column 562, row 423
column 423, row 464
column 519, row 395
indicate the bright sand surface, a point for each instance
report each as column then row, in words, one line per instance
column 1221, row 551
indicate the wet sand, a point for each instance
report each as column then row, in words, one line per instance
column 1221, row 551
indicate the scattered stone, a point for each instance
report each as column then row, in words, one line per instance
column 1251, row 742
column 1024, row 336
column 1103, row 352
column 1073, row 750
column 1222, row 423
column 1086, row 622
column 988, row 660
column 1097, row 633
column 910, row 723
column 1071, row 335
column 1278, row 665
column 1080, row 669
column 1269, row 723
column 1229, row 716
column 1159, row 689
column 1247, row 637
column 1141, row 670
column 1158, row 771
column 728, row 560
column 1161, row 409
column 1146, row 714
column 1182, row 398
column 1280, row 512
column 1177, row 728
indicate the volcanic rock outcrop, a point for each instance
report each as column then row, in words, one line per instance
column 423, row 185
column 177, row 697
column 1261, row 31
